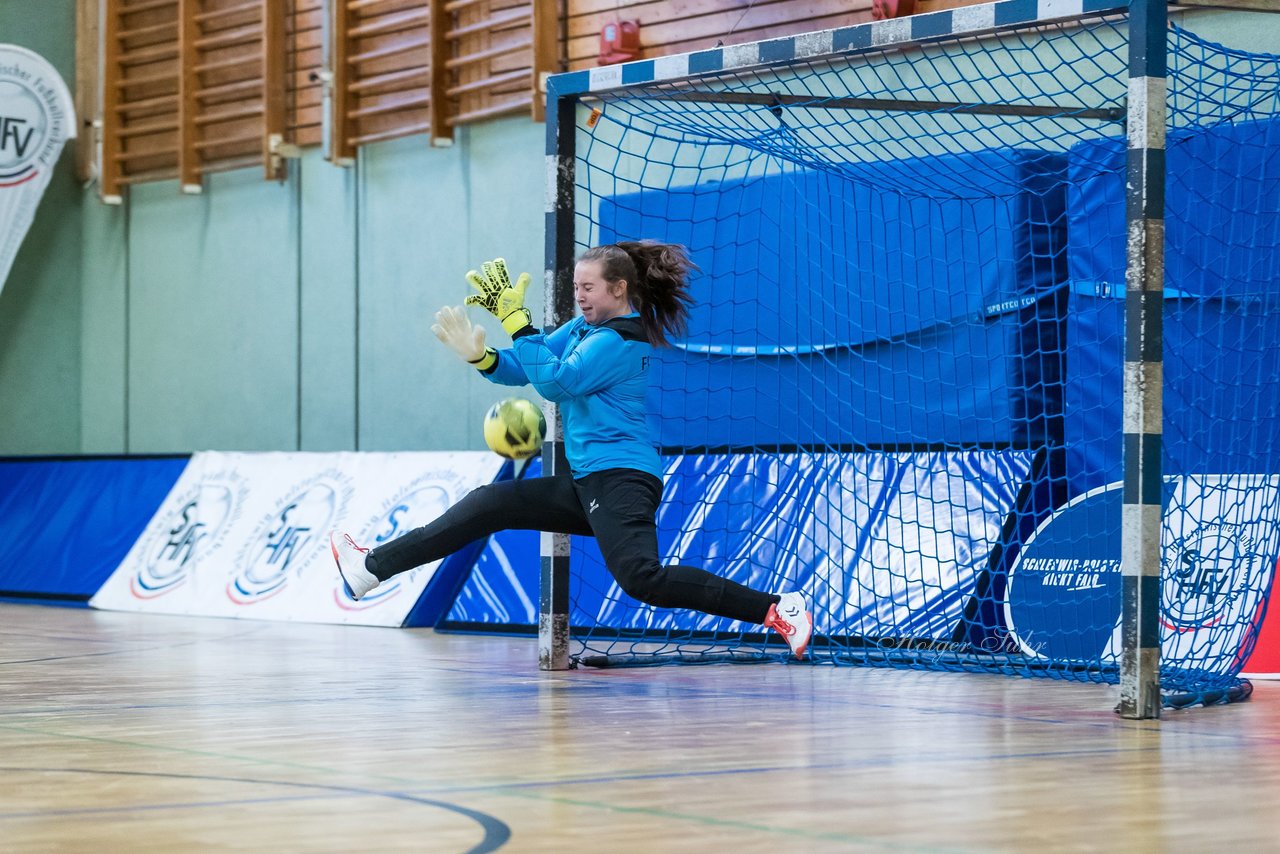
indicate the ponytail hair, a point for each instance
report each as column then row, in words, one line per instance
column 657, row 277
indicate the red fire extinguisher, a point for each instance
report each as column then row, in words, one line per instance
column 619, row 42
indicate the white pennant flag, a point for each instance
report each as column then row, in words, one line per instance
column 37, row 117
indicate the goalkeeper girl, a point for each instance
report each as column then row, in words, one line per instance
column 631, row 295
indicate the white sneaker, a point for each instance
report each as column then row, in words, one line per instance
column 350, row 560
column 790, row 619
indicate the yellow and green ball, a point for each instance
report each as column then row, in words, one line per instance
column 514, row 428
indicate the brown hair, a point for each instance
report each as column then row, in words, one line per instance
column 657, row 276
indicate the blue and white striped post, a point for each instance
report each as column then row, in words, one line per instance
column 553, row 601
column 1143, row 362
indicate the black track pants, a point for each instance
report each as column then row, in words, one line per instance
column 617, row 506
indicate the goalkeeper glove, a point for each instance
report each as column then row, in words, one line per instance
column 454, row 328
column 499, row 297
column 489, row 284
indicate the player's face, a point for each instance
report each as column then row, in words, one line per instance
column 599, row 300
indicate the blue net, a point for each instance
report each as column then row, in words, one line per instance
column 900, row 391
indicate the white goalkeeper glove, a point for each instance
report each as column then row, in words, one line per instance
column 454, row 328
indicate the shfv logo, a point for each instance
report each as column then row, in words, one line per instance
column 417, row 503
column 34, row 119
column 285, row 540
column 1209, row 570
column 194, row 529
column 22, row 123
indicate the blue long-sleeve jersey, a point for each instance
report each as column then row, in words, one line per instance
column 599, row 376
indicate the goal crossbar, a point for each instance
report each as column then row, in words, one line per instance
column 772, row 100
column 895, row 34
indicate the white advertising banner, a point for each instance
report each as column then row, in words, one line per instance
column 1220, row 546
column 37, row 116
column 247, row 534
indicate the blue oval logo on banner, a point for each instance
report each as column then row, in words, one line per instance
column 1064, row 597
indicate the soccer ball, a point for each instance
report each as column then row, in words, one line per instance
column 514, row 428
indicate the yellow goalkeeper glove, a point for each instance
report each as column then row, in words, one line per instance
column 499, row 297
column 490, row 283
column 511, row 310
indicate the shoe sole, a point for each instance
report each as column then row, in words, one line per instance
column 333, row 547
column 799, row 653
column 808, row 618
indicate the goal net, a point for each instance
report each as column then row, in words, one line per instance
column 900, row 391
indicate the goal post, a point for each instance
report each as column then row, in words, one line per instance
column 561, row 246
column 1143, row 362
column 931, row 369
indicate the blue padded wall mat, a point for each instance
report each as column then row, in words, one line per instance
column 1222, row 274
column 944, row 328
column 67, row 523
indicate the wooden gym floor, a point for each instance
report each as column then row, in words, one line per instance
column 131, row 733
